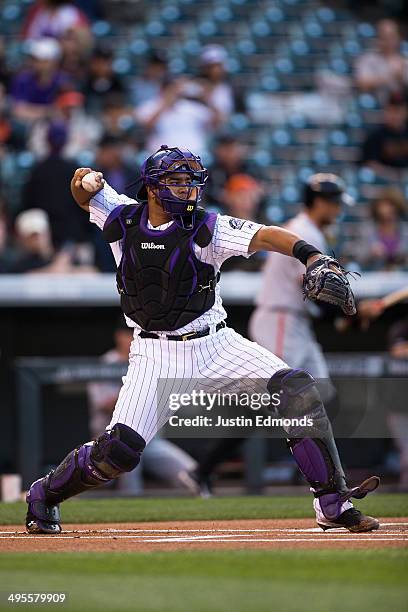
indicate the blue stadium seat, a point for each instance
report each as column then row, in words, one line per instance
column 274, row 213
column 281, row 137
column 101, row 28
column 366, row 30
column 170, row 12
column 367, row 101
column 290, row 194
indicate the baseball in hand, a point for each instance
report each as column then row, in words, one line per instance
column 92, row 181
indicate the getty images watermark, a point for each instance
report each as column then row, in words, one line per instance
column 242, row 403
column 352, row 406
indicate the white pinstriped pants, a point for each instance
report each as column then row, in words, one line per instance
column 143, row 405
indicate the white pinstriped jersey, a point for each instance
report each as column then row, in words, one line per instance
column 231, row 237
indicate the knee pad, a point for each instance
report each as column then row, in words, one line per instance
column 117, row 450
column 299, row 397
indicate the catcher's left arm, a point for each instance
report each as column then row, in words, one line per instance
column 324, row 280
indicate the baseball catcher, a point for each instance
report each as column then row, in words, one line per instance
column 169, row 252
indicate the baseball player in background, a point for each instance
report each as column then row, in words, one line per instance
column 281, row 321
column 169, row 252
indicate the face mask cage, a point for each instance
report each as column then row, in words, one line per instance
column 194, row 186
column 174, row 204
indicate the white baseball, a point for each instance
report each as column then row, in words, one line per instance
column 92, row 181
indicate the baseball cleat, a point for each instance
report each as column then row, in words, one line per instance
column 49, row 521
column 353, row 520
column 34, row 525
column 41, row 517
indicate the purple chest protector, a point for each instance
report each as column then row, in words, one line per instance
column 162, row 284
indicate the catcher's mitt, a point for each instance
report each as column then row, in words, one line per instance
column 325, row 280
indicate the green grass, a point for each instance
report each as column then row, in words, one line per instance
column 213, row 581
column 172, row 509
column 216, row 581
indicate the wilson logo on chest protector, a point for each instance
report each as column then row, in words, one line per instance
column 151, row 245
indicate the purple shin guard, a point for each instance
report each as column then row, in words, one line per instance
column 317, row 466
column 88, row 466
column 116, row 451
column 75, row 474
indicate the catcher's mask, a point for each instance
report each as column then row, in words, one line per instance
column 178, row 177
column 328, row 186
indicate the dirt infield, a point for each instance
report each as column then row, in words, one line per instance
column 187, row 535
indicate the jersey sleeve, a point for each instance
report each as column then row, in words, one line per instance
column 232, row 237
column 102, row 204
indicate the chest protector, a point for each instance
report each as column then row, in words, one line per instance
column 162, row 284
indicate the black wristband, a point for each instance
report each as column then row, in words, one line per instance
column 302, row 251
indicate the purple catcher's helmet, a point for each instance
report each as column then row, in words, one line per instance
column 172, row 160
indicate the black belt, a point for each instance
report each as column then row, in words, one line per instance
column 183, row 337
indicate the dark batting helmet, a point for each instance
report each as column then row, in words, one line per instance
column 328, row 186
column 169, row 161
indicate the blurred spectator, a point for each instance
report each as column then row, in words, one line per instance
column 83, row 130
column 101, row 80
column 230, row 158
column 74, row 59
column 48, row 188
column 386, row 148
column 383, row 244
column 161, row 458
column 110, row 161
column 117, row 117
column 147, row 86
column 217, row 91
column 179, row 116
column 53, row 18
column 35, row 251
column 384, row 69
column 33, row 91
column 241, row 197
